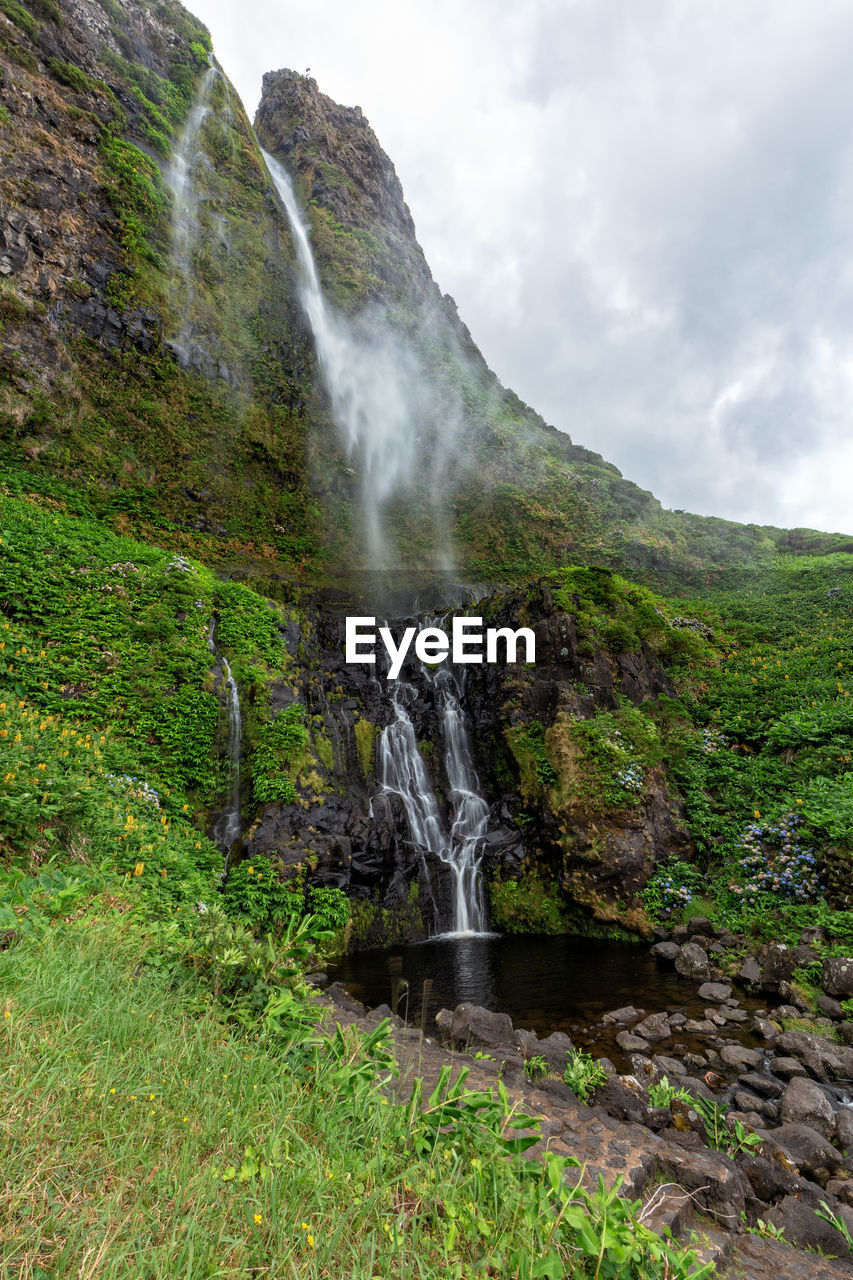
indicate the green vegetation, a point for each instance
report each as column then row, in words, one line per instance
column 528, row 904
column 583, row 1075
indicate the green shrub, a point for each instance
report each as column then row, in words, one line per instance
column 255, row 891
column 583, row 1075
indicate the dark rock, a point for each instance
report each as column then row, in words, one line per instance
column 768, row 1178
column 732, row 1013
column 830, row 1007
column 626, row 1014
column 556, row 1048
column 701, row 926
column 845, row 1030
column 765, row 1085
column 821, row 1058
column 654, row 1027
column 736, row 1055
column 837, row 976
column 805, row 1102
column 749, row 972
column 809, row 1150
column 802, row 1226
column 716, row 992
column 478, row 1028
column 692, row 962
column 777, row 965
column 700, row 1026
column 788, row 1068
column 844, row 1129
column 630, row 1043
column 765, row 1029
column 621, row 1098
column 665, row 950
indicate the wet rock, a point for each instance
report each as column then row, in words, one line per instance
column 750, row 972
column 736, row 1055
column 343, row 1000
column 788, row 1068
column 837, row 976
column 765, row 1085
column 733, row 1013
column 630, row 1043
column 700, row 1026
column 654, row 1027
column 665, row 950
column 627, row 1014
column 821, row 1058
column 844, row 1129
column 809, row 1150
column 777, row 965
column 716, row 992
column 805, row 1102
column 764, row 1028
column 692, row 962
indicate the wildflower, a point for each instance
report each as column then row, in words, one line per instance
column 258, row 1218
column 310, row 1240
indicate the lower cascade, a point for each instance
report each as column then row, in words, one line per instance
column 402, row 772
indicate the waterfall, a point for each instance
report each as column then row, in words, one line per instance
column 182, row 179
column 375, row 383
column 228, row 826
column 403, row 773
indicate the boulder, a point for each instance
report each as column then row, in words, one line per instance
column 837, row 977
column 716, row 992
column 764, row 1028
column 736, row 1055
column 477, row 1028
column 777, row 965
column 654, row 1027
column 802, row 1226
column 626, row 1014
column 692, row 962
column 844, row 1130
column 629, row 1043
column 809, row 1150
column 768, row 1178
column 749, row 972
column 765, row 1085
column 555, row 1048
column 822, row 1058
column 805, row 1102
column 787, row 1068
column 830, row 1007
column 665, row 950
column 701, row 926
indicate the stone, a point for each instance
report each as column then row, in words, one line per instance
column 768, row 1178
column 777, row 965
column 749, row 972
column 765, row 1085
column 665, row 950
column 733, row 1013
column 804, row 1102
column 736, row 1055
column 809, row 1150
column 654, row 1027
column 844, row 1129
column 716, row 992
column 788, row 1068
column 692, row 962
column 555, row 1048
column 802, row 1226
column 837, row 976
column 478, row 1028
column 700, row 1026
column 629, row 1043
column 764, row 1028
column 627, row 1014
column 702, row 926
column 822, row 1058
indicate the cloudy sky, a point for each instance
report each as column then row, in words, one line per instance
column 643, row 208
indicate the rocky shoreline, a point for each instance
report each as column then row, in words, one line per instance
column 783, row 1073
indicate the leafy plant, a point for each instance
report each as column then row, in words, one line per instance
column 536, row 1066
column 583, row 1075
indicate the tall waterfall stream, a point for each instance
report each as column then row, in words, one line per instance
column 228, row 826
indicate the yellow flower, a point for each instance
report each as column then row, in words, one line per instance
column 257, row 1217
column 310, row 1240
column 7, row 1014
column 303, row 1226
column 758, row 813
column 251, row 870
column 139, row 868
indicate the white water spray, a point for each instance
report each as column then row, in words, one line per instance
column 182, row 178
column 382, row 400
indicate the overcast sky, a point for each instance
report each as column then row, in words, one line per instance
column 643, row 208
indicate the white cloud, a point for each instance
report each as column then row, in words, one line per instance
column 641, row 208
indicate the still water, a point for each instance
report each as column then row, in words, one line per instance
column 544, row 983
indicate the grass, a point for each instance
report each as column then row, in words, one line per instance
column 145, row 1135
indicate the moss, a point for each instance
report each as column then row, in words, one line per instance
column 529, row 904
column 372, row 925
column 366, row 734
column 23, row 20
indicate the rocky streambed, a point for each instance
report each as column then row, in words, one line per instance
column 746, row 1041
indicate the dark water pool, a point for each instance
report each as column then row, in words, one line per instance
column 544, row 983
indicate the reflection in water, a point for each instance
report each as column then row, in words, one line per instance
column 543, row 983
